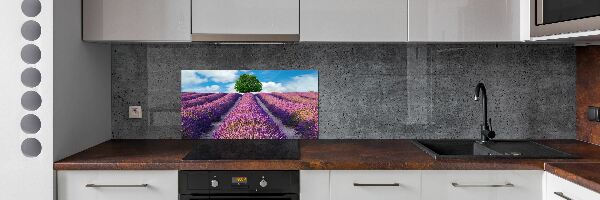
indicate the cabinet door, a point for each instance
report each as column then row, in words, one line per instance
column 314, row 185
column 468, row 20
column 245, row 16
column 561, row 189
column 136, row 20
column 117, row 185
column 482, row 185
column 353, row 21
column 376, row 185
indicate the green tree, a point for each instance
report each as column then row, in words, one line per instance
column 248, row 83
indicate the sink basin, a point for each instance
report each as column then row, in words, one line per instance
column 471, row 149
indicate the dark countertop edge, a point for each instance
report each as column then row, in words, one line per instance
column 571, row 176
column 299, row 165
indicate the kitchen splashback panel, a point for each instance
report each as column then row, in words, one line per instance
column 368, row 91
column 249, row 104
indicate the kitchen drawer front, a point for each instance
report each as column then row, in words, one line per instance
column 397, row 185
column 117, row 185
column 560, row 189
column 482, row 185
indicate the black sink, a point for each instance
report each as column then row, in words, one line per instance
column 471, row 149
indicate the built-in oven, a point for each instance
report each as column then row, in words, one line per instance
column 237, row 185
column 552, row 17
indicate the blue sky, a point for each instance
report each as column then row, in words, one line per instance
column 272, row 80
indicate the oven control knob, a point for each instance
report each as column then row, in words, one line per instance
column 214, row 183
column 263, row 183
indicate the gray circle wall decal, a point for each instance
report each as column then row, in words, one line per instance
column 31, row 77
column 31, row 54
column 30, row 124
column 31, row 100
column 31, row 147
column 31, row 30
column 31, row 8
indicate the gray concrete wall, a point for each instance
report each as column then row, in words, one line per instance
column 369, row 90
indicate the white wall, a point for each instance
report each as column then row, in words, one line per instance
column 24, row 177
column 82, row 89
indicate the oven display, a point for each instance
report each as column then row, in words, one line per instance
column 239, row 180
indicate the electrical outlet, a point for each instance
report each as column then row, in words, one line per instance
column 135, row 112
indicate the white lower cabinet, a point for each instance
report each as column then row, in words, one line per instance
column 314, row 184
column 422, row 184
column 560, row 189
column 375, row 185
column 341, row 185
column 482, row 185
column 117, row 185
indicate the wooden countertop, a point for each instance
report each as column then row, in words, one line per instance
column 314, row 154
column 332, row 155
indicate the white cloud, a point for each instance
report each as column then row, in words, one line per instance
column 189, row 77
column 206, row 89
column 272, row 87
column 231, row 88
column 303, row 83
column 221, row 76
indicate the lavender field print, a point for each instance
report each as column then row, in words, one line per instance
column 249, row 104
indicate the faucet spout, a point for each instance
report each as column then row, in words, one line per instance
column 486, row 132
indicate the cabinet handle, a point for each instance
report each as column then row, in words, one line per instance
column 491, row 185
column 376, row 185
column 561, row 195
column 114, row 186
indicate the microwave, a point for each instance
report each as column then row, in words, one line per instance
column 553, row 17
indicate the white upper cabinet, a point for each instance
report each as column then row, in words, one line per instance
column 136, row 20
column 468, row 20
column 354, row 20
column 307, row 20
column 245, row 20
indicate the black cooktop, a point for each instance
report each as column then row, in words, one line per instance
column 244, row 150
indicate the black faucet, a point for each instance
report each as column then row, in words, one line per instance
column 486, row 129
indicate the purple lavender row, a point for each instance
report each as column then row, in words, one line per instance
column 198, row 119
column 295, row 97
column 192, row 95
column 304, row 118
column 248, row 120
column 188, row 93
column 310, row 95
column 201, row 100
